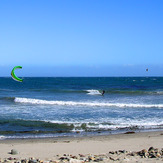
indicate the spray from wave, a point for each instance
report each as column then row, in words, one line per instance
column 92, row 103
column 93, row 92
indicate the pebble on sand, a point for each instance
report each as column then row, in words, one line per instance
column 14, row 152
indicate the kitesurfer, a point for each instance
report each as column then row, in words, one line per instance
column 103, row 92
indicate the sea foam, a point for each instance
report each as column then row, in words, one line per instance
column 92, row 103
column 93, row 92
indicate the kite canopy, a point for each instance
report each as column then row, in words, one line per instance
column 13, row 73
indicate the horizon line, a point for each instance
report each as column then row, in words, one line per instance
column 74, row 76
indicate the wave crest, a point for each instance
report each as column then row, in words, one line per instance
column 93, row 103
column 93, row 92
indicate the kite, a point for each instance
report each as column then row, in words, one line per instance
column 13, row 74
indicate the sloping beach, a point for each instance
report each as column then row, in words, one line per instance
column 119, row 148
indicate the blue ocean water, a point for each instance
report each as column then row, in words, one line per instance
column 52, row 107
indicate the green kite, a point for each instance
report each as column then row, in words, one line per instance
column 13, row 74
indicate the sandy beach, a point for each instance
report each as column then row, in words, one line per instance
column 56, row 148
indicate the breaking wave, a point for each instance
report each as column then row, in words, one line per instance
column 92, row 103
column 93, row 92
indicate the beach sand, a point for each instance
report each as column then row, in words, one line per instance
column 48, row 149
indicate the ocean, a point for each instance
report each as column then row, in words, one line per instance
column 58, row 106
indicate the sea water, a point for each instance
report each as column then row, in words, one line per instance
column 53, row 107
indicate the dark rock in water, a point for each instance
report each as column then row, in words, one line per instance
column 112, row 152
column 130, row 132
column 14, row 152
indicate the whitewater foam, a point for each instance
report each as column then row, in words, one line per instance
column 93, row 92
column 92, row 103
column 118, row 124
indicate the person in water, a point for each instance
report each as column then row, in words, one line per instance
column 103, row 92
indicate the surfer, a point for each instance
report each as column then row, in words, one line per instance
column 103, row 92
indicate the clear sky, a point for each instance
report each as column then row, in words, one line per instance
column 81, row 37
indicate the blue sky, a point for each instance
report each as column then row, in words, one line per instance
column 81, row 37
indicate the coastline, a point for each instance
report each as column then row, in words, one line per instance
column 49, row 148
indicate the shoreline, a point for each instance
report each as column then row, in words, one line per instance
column 79, row 134
column 85, row 136
column 49, row 148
